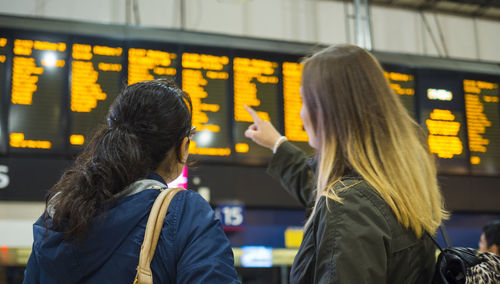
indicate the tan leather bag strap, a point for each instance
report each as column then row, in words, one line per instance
column 153, row 229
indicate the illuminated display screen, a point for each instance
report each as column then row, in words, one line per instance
column 57, row 92
column 95, row 82
column 442, row 115
column 3, row 67
column 150, row 63
column 205, row 78
column 256, row 85
column 294, row 127
column 39, row 74
column 402, row 81
column 181, row 180
column 256, row 256
column 483, row 125
column 292, row 103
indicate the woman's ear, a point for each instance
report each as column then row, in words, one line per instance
column 494, row 249
column 184, row 149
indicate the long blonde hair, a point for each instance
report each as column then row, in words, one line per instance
column 361, row 126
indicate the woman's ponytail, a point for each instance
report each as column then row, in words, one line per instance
column 145, row 122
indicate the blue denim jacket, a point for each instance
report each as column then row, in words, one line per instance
column 192, row 247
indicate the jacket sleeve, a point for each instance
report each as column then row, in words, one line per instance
column 291, row 167
column 203, row 250
column 32, row 271
column 352, row 241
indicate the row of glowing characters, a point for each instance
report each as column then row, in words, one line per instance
column 291, row 72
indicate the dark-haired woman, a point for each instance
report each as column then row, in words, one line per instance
column 95, row 218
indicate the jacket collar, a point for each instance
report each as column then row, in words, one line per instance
column 153, row 181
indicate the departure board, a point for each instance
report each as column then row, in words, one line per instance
column 3, row 88
column 95, row 83
column 294, row 127
column 56, row 89
column 147, row 63
column 402, row 81
column 255, row 85
column 292, row 104
column 442, row 115
column 205, row 78
column 483, row 124
column 39, row 77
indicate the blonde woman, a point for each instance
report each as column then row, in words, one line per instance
column 372, row 186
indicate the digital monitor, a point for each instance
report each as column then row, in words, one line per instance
column 482, row 110
column 292, row 104
column 256, row 256
column 402, row 82
column 206, row 78
column 4, row 54
column 39, row 87
column 96, row 77
column 181, row 180
column 256, row 83
column 148, row 61
column 442, row 116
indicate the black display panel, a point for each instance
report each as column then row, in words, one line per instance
column 148, row 61
column 256, row 84
column 482, row 106
column 4, row 52
column 292, row 104
column 402, row 81
column 39, row 87
column 96, row 76
column 57, row 90
column 206, row 78
column 442, row 115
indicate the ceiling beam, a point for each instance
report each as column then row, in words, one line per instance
column 486, row 9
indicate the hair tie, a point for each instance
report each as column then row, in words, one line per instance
column 119, row 126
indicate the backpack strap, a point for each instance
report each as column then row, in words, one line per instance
column 446, row 238
column 434, row 241
column 444, row 233
column 153, row 230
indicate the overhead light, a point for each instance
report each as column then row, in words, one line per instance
column 49, row 59
column 204, row 138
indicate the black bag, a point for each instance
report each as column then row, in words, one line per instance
column 464, row 265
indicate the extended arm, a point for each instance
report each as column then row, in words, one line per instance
column 291, row 167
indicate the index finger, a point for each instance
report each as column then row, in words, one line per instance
column 254, row 115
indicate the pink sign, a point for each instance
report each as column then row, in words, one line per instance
column 180, row 181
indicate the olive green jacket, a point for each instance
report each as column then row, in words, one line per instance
column 356, row 241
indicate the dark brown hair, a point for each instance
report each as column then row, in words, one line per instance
column 145, row 123
column 492, row 233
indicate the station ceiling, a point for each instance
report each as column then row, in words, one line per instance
column 473, row 8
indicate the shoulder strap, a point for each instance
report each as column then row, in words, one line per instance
column 446, row 238
column 153, row 230
column 434, row 241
